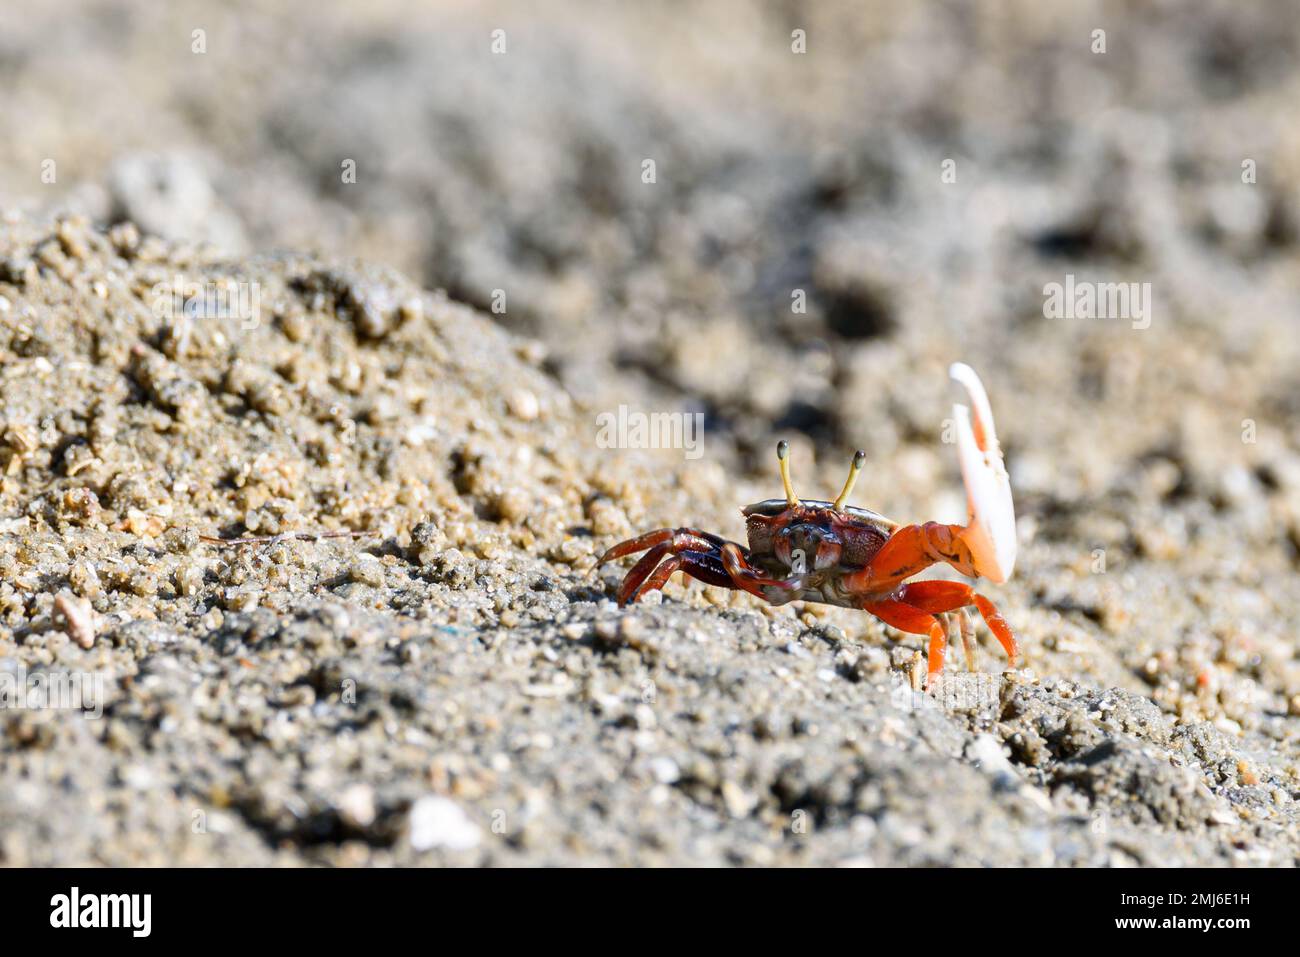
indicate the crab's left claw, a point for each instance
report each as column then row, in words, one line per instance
column 990, row 533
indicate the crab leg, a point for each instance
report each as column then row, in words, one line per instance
column 681, row 538
column 914, row 621
column 700, row 555
column 698, row 565
column 630, row 587
column 938, row 597
column 967, row 636
column 646, row 574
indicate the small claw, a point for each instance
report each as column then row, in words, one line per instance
column 991, row 529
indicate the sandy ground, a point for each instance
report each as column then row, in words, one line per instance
column 450, row 681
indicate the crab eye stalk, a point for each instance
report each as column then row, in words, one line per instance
column 783, row 457
column 859, row 457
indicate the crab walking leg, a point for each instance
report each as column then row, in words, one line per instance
column 661, row 542
column 998, row 625
column 633, row 545
column 702, row 566
column 657, row 580
column 942, row 596
column 701, row 555
column 681, row 539
column 649, row 575
column 967, row 634
column 914, row 621
column 630, row 588
column 950, row 628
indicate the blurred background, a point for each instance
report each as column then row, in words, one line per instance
column 775, row 171
column 914, row 178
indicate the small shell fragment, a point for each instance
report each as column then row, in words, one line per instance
column 523, row 405
column 78, row 618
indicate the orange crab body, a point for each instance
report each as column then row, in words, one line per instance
column 843, row 555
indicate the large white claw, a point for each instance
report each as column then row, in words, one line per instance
column 991, row 529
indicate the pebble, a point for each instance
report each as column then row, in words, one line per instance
column 738, row 801
column 438, row 822
column 77, row 617
column 665, row 770
column 356, row 805
column 513, row 505
column 523, row 405
column 367, row 570
column 986, row 752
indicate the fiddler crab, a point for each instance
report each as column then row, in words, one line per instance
column 840, row 554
